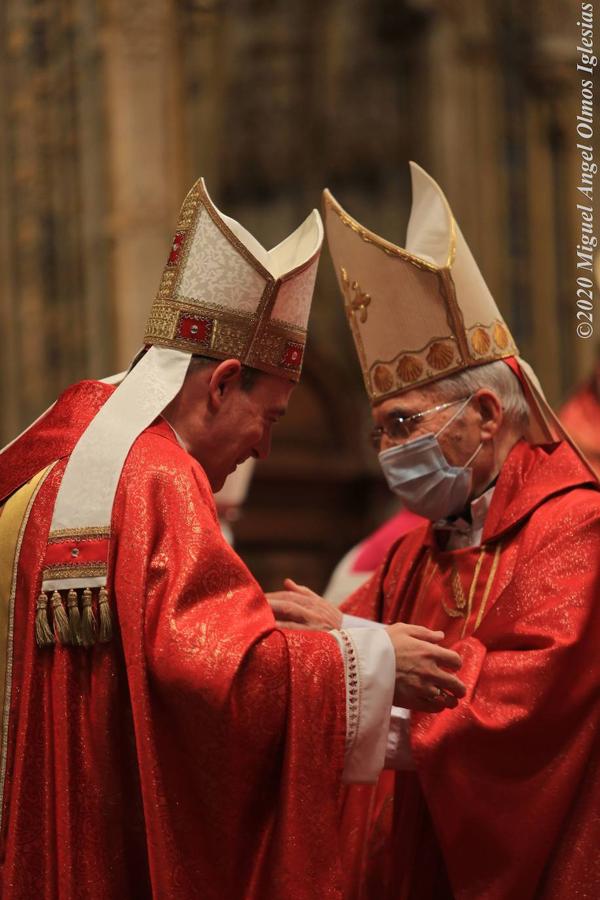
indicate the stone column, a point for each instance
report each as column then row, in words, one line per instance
column 144, row 157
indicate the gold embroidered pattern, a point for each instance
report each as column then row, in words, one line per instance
column 162, row 322
column 77, row 534
column 382, row 378
column 472, row 591
column 409, row 368
column 229, row 338
column 454, row 314
column 279, row 347
column 491, row 342
column 443, row 352
column 230, row 329
column 480, row 341
column 357, row 300
column 369, row 237
column 167, row 284
column 463, row 605
column 501, row 336
column 459, row 596
column 488, row 586
column 271, row 346
column 440, row 355
column 83, row 570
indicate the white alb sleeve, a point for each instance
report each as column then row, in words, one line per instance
column 370, row 667
column 398, row 753
column 358, row 622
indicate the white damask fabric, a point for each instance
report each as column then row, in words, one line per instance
column 215, row 271
column 293, row 300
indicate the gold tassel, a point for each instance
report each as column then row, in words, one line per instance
column 61, row 623
column 74, row 618
column 105, row 633
column 89, row 626
column 43, row 633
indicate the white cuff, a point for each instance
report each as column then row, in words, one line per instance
column 370, row 666
column 359, row 622
column 398, row 754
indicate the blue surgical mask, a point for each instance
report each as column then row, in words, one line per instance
column 419, row 473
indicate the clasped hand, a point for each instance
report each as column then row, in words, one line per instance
column 424, row 679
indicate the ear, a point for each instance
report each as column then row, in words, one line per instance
column 224, row 377
column 490, row 410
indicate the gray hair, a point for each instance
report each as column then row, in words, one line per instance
column 497, row 377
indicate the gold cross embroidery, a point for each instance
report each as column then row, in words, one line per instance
column 356, row 299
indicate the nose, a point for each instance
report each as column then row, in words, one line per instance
column 263, row 447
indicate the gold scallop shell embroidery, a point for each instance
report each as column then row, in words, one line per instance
column 382, row 379
column 500, row 336
column 440, row 355
column 409, row 368
column 480, row 341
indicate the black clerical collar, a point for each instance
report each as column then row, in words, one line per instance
column 466, row 514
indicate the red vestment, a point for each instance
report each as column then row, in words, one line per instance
column 197, row 755
column 505, row 799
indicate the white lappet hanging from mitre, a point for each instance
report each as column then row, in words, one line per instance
column 424, row 312
column 222, row 295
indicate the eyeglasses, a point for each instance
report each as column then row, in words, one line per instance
column 401, row 427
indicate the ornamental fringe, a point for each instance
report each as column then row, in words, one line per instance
column 72, row 626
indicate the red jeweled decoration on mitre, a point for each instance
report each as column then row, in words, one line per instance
column 176, row 248
column 223, row 295
column 292, row 355
column 195, row 329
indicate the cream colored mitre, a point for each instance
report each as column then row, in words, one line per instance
column 420, row 313
column 424, row 312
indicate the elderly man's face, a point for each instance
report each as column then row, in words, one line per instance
column 476, row 423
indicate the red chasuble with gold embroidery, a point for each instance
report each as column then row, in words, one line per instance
column 196, row 755
column 505, row 800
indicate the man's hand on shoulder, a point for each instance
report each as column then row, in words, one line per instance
column 299, row 607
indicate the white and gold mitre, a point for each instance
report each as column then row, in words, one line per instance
column 224, row 296
column 418, row 313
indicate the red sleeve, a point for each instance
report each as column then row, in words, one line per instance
column 240, row 727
